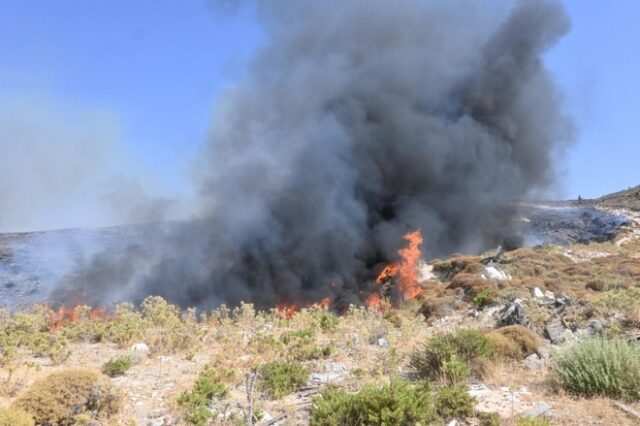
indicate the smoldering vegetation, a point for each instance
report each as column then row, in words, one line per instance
column 355, row 123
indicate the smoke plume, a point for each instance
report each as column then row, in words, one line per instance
column 357, row 122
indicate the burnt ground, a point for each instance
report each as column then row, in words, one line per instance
column 31, row 263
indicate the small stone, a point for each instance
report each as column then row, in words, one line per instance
column 478, row 390
column 537, row 293
column 532, row 362
column 544, row 353
column 539, row 410
column 453, row 422
column 382, row 342
column 557, row 333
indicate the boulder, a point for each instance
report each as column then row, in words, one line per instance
column 513, row 314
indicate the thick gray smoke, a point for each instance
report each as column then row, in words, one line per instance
column 357, row 122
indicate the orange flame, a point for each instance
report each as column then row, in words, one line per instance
column 287, row 310
column 406, row 271
column 66, row 315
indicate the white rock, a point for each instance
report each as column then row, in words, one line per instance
column 539, row 410
column 382, row 342
column 326, row 377
column 453, row 422
column 140, row 348
column 425, row 272
column 537, row 293
column 493, row 273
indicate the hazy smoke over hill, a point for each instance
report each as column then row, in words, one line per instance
column 356, row 122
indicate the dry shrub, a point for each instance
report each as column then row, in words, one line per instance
column 596, row 285
column 437, row 307
column 62, row 396
column 525, row 341
column 472, row 284
column 503, row 346
column 630, row 267
column 15, row 417
column 458, row 263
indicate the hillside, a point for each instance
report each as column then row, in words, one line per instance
column 535, row 336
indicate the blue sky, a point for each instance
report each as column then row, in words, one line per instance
column 150, row 71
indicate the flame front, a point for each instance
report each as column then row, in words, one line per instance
column 406, row 271
column 65, row 315
column 289, row 310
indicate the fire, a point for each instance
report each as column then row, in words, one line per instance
column 373, row 301
column 406, row 271
column 65, row 315
column 287, row 310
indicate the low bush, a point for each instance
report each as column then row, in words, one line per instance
column 208, row 386
column 484, row 298
column 398, row 403
column 59, row 398
column 278, row 379
column 514, row 342
column 15, row 417
column 468, row 346
column 297, row 335
column 454, row 401
column 601, row 366
column 117, row 366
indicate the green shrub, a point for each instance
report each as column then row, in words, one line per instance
column 488, row 419
column 278, row 379
column 297, row 335
column 15, row 417
column 455, row 370
column 398, row 403
column 454, row 401
column 60, row 397
column 468, row 346
column 208, row 386
column 600, row 366
column 117, row 366
column 483, row 298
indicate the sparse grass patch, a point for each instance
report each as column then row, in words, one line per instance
column 600, row 366
column 60, row 397
column 530, row 421
column 278, row 379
